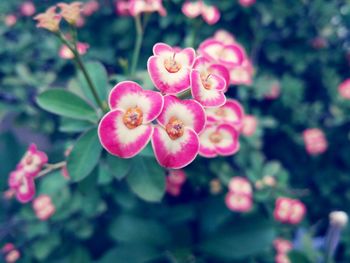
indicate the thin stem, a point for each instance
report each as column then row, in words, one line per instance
column 138, row 43
column 81, row 65
column 50, row 168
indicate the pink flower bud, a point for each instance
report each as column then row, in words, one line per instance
column 238, row 202
column 240, row 185
column 247, row 3
column 49, row 20
column 315, row 141
column 250, row 124
column 43, row 207
column 90, row 7
column 10, row 20
column 344, row 89
column 289, row 210
column 27, row 8
column 282, row 246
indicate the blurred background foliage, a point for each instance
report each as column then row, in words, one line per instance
column 303, row 44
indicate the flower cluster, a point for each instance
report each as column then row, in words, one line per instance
column 315, row 141
column 43, row 207
column 11, row 254
column 239, row 198
column 207, row 124
column 289, row 210
column 21, row 181
column 175, row 181
column 209, row 13
column 282, row 247
column 137, row 7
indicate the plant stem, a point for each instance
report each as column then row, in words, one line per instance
column 50, row 168
column 81, row 65
column 138, row 43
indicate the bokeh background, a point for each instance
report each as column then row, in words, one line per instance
column 304, row 45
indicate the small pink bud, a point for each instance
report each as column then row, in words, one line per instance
column 315, row 141
column 247, row 3
column 27, row 8
column 250, row 124
column 344, row 89
column 10, row 20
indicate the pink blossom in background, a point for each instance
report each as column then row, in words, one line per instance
column 250, row 124
column 246, row 3
column 315, row 141
column 224, row 37
column 274, row 92
column 289, row 210
column 71, row 12
column 33, row 161
column 238, row 203
column 210, row 13
column 66, row 53
column 23, row 185
column 49, row 20
column 10, row 20
column 123, row 7
column 43, row 207
column 11, row 254
column 137, row 7
column 282, row 258
column 127, row 128
column 240, row 185
column 242, row 74
column 90, row 8
column 27, row 8
column 282, row 246
column 344, row 89
column 175, row 181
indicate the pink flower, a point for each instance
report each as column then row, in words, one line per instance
column 315, row 141
column 10, row 20
column 123, row 7
column 231, row 113
column 43, row 207
column 289, row 210
column 33, row 161
column 90, row 7
column 247, row 3
column 137, row 7
column 242, row 74
column 282, row 246
column 238, row 202
column 127, row 128
column 250, row 124
column 174, row 182
column 170, row 69
column 240, row 185
column 11, row 253
column 27, row 8
column 282, row 258
column 71, row 12
column 224, row 37
column 210, row 14
column 175, row 140
column 23, row 185
column 228, row 55
column 217, row 140
column 49, row 20
column 344, row 89
column 207, row 86
column 66, row 53
column 274, row 91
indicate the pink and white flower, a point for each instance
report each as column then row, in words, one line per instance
column 27, row 8
column 210, row 14
column 315, row 141
column 175, row 181
column 242, row 74
column 136, row 7
column 282, row 246
column 43, row 207
column 274, row 91
column 90, row 7
column 175, row 140
column 127, row 128
column 217, row 140
column 289, row 210
column 170, row 69
column 250, row 124
column 207, row 86
column 66, row 53
column 33, row 161
column 240, row 185
column 238, row 202
column 246, row 3
column 224, row 37
column 11, row 254
column 344, row 89
column 231, row 55
column 10, row 20
column 23, row 185
column 282, row 258
column 123, row 7
column 231, row 113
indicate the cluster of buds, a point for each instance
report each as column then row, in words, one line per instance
column 10, row 253
column 282, row 247
column 137, row 7
column 21, row 180
column 209, row 13
column 267, row 181
column 26, row 9
column 207, row 124
column 289, row 210
column 240, row 195
column 175, row 181
column 50, row 19
column 315, row 141
column 344, row 89
column 43, row 207
column 66, row 53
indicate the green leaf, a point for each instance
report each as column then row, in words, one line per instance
column 298, row 257
column 44, row 246
column 119, row 167
column 84, row 156
column 239, row 239
column 99, row 78
column 147, row 179
column 124, row 253
column 67, row 104
column 71, row 126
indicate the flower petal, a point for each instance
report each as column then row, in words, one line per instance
column 192, row 9
column 207, row 147
column 213, row 97
column 162, row 49
column 176, row 153
column 211, row 49
column 229, row 143
column 118, row 139
column 221, row 71
column 26, row 190
column 210, row 14
column 231, row 56
column 129, row 94
column 190, row 112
